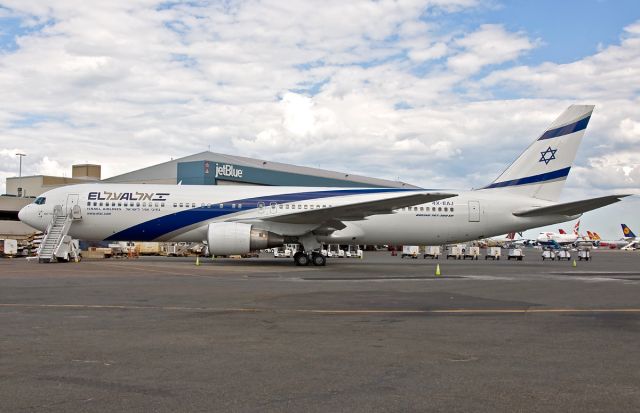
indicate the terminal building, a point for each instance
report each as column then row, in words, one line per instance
column 205, row 168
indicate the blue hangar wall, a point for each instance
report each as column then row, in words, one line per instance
column 209, row 172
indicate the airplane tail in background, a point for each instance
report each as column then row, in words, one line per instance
column 576, row 229
column 542, row 169
column 596, row 236
column 626, row 232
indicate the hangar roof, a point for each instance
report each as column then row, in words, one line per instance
column 167, row 171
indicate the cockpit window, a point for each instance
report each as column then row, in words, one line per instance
column 40, row 200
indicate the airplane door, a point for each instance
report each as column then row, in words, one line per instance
column 474, row 211
column 72, row 200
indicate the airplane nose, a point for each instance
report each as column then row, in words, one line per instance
column 22, row 214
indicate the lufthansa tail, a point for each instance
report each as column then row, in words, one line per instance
column 626, row 232
column 542, row 169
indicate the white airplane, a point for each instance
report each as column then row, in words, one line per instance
column 560, row 238
column 628, row 240
column 238, row 219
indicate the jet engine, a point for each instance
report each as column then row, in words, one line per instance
column 231, row 238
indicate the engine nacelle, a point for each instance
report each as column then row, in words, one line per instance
column 234, row 238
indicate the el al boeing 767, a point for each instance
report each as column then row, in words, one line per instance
column 239, row 219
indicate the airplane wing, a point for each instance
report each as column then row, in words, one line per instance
column 571, row 208
column 357, row 210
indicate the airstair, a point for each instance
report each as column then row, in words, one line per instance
column 56, row 244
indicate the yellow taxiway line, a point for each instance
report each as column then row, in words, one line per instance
column 328, row 311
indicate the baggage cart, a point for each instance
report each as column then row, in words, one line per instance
column 410, row 251
column 516, row 254
column 455, row 252
column 472, row 252
column 563, row 255
column 432, row 252
column 494, row 253
column 584, row 255
column 548, row 255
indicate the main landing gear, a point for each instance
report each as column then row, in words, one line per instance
column 315, row 258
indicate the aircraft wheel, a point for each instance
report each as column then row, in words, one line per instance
column 318, row 260
column 301, row 259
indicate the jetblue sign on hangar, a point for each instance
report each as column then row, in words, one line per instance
column 224, row 170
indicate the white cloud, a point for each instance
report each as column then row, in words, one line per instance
column 491, row 44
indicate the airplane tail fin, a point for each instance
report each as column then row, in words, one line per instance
column 542, row 169
column 590, row 235
column 596, row 236
column 626, row 231
column 511, row 236
column 576, row 229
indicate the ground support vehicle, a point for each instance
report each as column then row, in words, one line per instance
column 494, row 253
column 432, row 252
column 516, row 254
column 472, row 252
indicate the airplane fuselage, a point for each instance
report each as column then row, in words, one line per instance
column 140, row 212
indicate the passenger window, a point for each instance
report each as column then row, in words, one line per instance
column 445, row 209
column 311, row 206
column 305, row 207
column 88, row 203
column 299, row 206
column 421, row 208
column 162, row 205
column 451, row 209
column 119, row 204
column 144, row 204
column 193, row 205
column 100, row 203
column 324, row 206
column 239, row 205
column 233, row 206
column 287, row 206
column 137, row 204
column 221, row 206
column 180, row 205
column 415, row 208
column 280, row 206
column 156, row 205
column 439, row 209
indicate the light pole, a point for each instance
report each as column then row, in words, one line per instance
column 20, row 155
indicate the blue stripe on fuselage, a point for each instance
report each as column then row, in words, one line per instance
column 567, row 129
column 157, row 227
column 560, row 173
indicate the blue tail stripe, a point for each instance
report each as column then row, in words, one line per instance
column 567, row 129
column 157, row 227
column 560, row 173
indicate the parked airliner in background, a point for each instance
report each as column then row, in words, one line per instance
column 560, row 237
column 237, row 219
column 628, row 240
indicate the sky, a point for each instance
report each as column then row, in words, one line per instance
column 438, row 93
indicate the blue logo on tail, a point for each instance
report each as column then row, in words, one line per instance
column 548, row 155
column 627, row 232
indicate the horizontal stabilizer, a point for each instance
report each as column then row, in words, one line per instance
column 571, row 208
column 358, row 210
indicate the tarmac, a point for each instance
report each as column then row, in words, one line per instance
column 378, row 334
